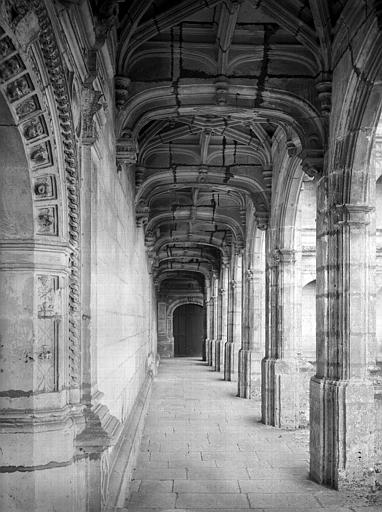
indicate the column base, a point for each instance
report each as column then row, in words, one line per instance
column 213, row 354
column 342, row 439
column 208, row 351
column 285, row 392
column 230, row 361
column 249, row 381
column 219, row 355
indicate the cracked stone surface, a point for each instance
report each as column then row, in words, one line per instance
column 205, row 449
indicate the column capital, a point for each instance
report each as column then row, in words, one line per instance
column 312, row 162
column 262, row 220
column 279, row 256
column 355, row 215
column 127, row 149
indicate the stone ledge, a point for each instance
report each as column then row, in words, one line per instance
column 126, row 449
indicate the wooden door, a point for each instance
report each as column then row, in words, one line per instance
column 189, row 332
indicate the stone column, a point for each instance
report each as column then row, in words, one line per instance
column 233, row 343
column 281, row 386
column 214, row 340
column 342, row 392
column 223, row 317
column 207, row 349
column 249, row 381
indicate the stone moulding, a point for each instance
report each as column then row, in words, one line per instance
column 54, row 65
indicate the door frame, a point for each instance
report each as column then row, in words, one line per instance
column 170, row 315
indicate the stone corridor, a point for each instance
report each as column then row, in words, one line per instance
column 190, row 178
column 205, row 449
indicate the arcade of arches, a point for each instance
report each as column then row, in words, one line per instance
column 219, row 157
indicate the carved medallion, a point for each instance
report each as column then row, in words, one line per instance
column 10, row 68
column 44, row 188
column 46, row 221
column 19, row 88
column 40, row 155
column 34, row 128
column 27, row 107
column 6, row 47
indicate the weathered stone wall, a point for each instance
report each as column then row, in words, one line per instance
column 124, row 293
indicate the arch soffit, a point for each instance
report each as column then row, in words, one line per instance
column 163, row 190
column 240, row 184
column 181, row 302
column 358, row 121
column 163, row 218
column 286, row 200
column 203, row 241
column 190, row 268
column 158, row 103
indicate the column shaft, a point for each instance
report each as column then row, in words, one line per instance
column 232, row 346
column 284, row 383
column 249, row 382
column 342, row 392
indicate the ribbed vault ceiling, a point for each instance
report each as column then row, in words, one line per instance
column 203, row 89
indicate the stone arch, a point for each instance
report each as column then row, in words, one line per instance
column 175, row 305
column 165, row 321
column 40, row 274
column 357, row 123
column 43, row 118
column 283, row 220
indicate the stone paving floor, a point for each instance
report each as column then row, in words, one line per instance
column 205, row 449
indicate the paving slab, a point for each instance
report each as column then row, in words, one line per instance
column 205, row 449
